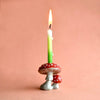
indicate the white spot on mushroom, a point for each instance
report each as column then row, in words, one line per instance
column 55, row 77
column 51, row 64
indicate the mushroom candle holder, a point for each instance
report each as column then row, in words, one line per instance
column 50, row 69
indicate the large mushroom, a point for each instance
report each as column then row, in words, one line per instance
column 49, row 69
column 56, row 79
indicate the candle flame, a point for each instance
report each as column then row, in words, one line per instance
column 50, row 18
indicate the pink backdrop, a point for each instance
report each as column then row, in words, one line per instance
column 23, row 48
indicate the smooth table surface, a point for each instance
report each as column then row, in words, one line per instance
column 23, row 48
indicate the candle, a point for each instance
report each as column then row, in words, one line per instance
column 50, row 38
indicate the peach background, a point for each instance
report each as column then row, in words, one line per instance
column 23, row 48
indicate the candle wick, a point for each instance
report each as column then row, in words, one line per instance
column 50, row 26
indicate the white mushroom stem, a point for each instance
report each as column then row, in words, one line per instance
column 49, row 76
column 47, row 85
column 55, row 85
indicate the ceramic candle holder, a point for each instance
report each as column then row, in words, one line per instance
column 52, row 79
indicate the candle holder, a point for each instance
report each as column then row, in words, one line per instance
column 52, row 79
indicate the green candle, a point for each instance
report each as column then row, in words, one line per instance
column 50, row 38
column 50, row 53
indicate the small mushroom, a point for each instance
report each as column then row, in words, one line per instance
column 56, row 79
column 49, row 69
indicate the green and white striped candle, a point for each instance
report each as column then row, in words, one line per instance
column 50, row 38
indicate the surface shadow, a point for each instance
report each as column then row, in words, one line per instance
column 28, row 88
column 31, row 88
column 20, row 88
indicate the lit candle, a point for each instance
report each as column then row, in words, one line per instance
column 50, row 69
column 50, row 38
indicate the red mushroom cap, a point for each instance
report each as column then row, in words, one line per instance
column 49, row 67
column 57, row 79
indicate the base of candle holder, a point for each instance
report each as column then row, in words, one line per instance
column 46, row 86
